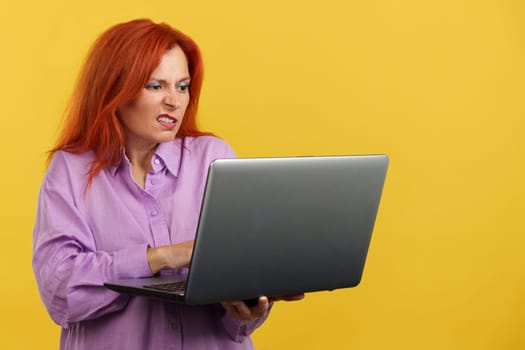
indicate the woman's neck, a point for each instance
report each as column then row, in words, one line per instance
column 140, row 159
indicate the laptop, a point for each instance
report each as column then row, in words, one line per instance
column 276, row 226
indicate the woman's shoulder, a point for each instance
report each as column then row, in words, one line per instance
column 72, row 163
column 204, row 141
column 67, row 172
column 72, row 158
column 208, row 144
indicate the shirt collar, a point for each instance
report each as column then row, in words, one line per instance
column 168, row 152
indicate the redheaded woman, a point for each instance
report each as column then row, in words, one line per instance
column 121, row 198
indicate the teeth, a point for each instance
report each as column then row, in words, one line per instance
column 166, row 120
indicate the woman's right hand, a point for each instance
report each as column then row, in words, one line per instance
column 170, row 256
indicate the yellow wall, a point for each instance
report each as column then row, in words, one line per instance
column 437, row 85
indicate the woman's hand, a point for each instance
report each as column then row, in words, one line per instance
column 170, row 256
column 242, row 312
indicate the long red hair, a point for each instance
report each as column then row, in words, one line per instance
column 117, row 68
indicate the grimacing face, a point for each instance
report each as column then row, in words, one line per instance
column 156, row 114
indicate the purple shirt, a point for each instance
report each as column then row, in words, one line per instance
column 82, row 240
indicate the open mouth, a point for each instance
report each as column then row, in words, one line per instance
column 166, row 119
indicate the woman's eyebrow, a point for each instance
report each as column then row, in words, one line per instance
column 164, row 81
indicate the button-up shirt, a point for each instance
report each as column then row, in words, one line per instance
column 84, row 237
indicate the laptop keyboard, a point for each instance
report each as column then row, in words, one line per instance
column 174, row 287
column 180, row 286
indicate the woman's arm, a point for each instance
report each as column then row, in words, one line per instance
column 69, row 269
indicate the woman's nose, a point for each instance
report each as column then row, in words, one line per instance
column 171, row 99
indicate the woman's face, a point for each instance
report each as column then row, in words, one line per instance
column 155, row 115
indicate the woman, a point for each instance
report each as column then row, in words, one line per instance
column 121, row 199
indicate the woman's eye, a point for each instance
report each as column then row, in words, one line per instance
column 183, row 86
column 153, row 86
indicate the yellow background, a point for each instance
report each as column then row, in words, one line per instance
column 437, row 85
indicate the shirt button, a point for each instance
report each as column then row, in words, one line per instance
column 174, row 325
column 154, row 213
column 156, row 161
column 153, row 182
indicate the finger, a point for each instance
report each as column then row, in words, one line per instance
column 293, row 297
column 261, row 308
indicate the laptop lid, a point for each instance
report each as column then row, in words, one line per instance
column 275, row 226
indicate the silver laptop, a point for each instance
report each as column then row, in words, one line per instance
column 277, row 226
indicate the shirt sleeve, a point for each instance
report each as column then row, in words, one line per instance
column 69, row 270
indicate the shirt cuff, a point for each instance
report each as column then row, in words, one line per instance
column 239, row 330
column 132, row 262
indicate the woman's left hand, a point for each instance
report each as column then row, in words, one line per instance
column 242, row 312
